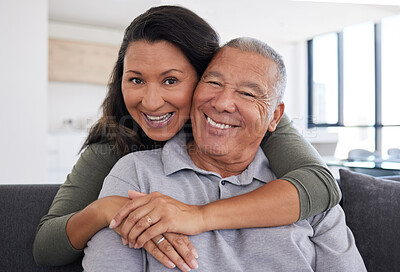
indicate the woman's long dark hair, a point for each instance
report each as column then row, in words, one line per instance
column 177, row 25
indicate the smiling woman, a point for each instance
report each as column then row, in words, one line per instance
column 157, row 86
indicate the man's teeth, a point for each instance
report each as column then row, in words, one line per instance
column 218, row 125
column 159, row 118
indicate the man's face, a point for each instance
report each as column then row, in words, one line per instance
column 231, row 105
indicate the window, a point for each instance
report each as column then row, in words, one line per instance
column 354, row 86
column 390, row 83
column 325, row 79
column 390, row 70
column 359, row 75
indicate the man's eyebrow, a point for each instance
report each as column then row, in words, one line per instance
column 212, row 74
column 256, row 87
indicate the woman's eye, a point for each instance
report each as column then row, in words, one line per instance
column 170, row 81
column 136, row 80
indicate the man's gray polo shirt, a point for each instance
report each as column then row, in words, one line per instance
column 320, row 243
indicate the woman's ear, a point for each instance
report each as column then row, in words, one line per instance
column 277, row 117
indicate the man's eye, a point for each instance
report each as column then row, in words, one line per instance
column 248, row 94
column 170, row 81
column 136, row 80
column 214, row 83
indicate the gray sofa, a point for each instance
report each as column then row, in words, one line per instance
column 21, row 208
column 372, row 207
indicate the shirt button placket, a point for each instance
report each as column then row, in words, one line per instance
column 222, row 189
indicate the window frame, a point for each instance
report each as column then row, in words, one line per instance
column 378, row 88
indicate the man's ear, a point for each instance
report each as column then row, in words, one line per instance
column 277, row 117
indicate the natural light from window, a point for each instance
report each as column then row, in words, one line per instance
column 390, row 82
column 359, row 75
column 325, row 75
column 358, row 128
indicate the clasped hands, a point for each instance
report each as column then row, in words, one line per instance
column 146, row 218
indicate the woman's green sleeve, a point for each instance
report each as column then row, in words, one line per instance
column 83, row 185
column 294, row 159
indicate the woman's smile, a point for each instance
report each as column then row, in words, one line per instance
column 158, row 121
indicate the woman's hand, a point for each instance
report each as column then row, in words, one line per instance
column 150, row 215
column 171, row 249
column 109, row 206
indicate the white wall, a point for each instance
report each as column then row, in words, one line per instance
column 68, row 31
column 23, row 86
column 78, row 102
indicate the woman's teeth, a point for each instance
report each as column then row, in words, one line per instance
column 218, row 125
column 160, row 119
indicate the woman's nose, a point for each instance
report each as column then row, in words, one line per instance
column 152, row 99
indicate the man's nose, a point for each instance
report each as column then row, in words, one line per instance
column 152, row 98
column 224, row 101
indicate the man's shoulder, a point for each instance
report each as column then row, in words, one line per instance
column 136, row 161
column 141, row 156
column 333, row 216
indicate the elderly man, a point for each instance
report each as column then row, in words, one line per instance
column 237, row 100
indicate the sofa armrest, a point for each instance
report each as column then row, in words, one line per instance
column 22, row 207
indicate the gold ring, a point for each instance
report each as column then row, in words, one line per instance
column 149, row 219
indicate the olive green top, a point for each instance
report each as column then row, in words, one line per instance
column 291, row 158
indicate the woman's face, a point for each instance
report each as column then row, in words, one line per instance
column 157, row 85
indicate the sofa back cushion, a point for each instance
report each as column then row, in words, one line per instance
column 372, row 208
column 21, row 207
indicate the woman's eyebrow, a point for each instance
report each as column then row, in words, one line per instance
column 163, row 73
column 132, row 71
column 172, row 70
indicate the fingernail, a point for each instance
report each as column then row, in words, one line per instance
column 171, row 264
column 130, row 245
column 112, row 224
column 194, row 252
column 136, row 245
column 124, row 241
column 186, row 267
column 194, row 264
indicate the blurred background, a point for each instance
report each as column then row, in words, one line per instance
column 342, row 61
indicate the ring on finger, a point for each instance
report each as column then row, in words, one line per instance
column 159, row 241
column 149, row 219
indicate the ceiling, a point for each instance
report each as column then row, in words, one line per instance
column 277, row 20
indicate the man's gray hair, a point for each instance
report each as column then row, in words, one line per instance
column 247, row 44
